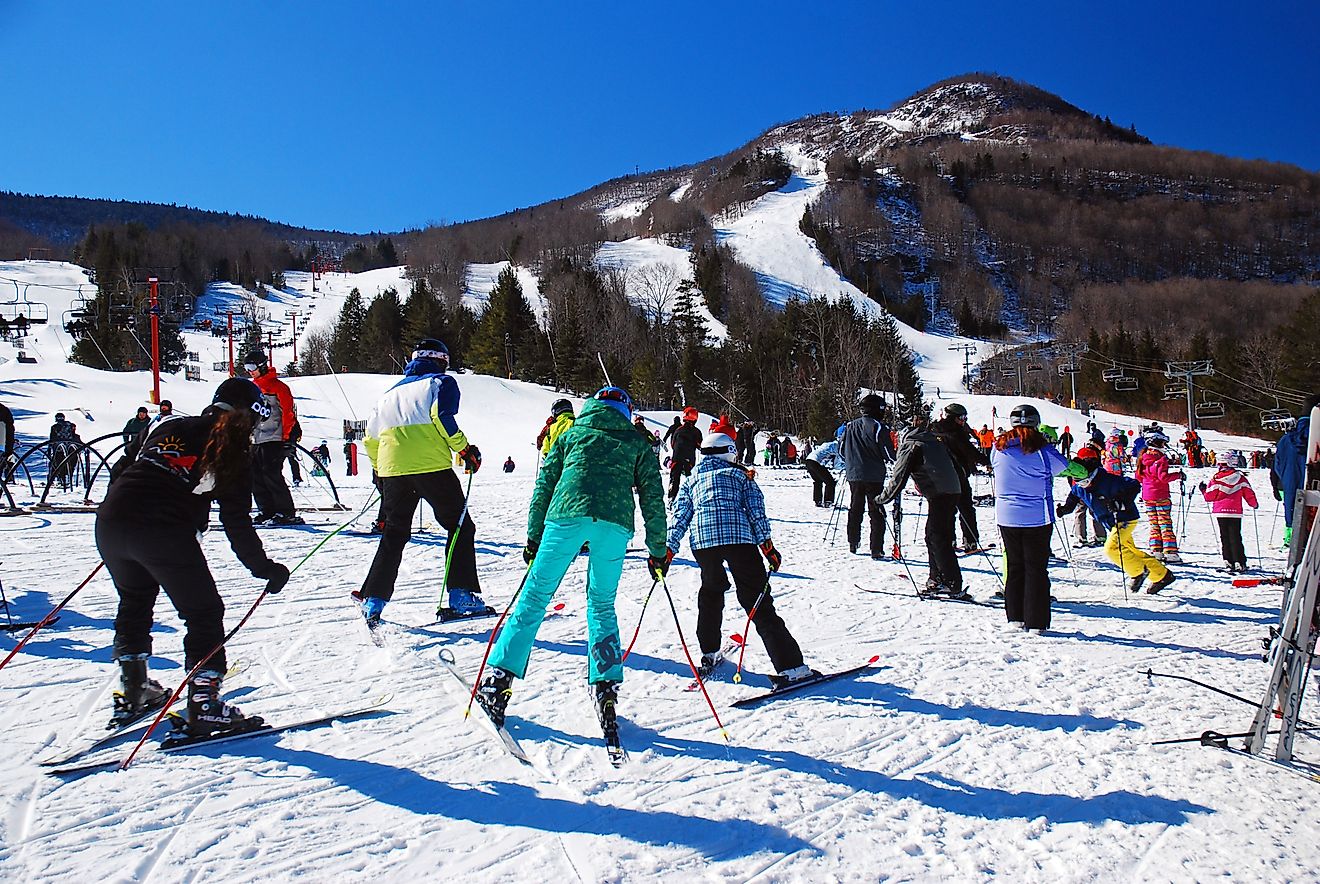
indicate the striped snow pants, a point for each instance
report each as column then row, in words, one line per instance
column 1163, row 539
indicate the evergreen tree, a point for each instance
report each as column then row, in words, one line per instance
column 382, row 349
column 425, row 315
column 505, row 339
column 345, row 342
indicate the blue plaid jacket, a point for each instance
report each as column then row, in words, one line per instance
column 723, row 505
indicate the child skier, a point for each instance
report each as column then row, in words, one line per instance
column 1155, row 476
column 727, row 513
column 1116, row 452
column 1226, row 492
column 1112, row 500
column 583, row 495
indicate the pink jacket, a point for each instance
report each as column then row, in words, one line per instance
column 1154, row 474
column 1227, row 490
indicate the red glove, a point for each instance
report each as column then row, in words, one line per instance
column 772, row 556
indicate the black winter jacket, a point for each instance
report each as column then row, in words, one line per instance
column 686, row 441
column 866, row 449
column 957, row 437
column 157, row 484
column 925, row 458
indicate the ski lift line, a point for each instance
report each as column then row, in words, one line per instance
column 1292, row 395
column 45, row 285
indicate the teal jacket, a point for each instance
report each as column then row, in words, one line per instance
column 591, row 471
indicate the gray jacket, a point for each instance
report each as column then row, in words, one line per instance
column 926, row 459
column 866, row 450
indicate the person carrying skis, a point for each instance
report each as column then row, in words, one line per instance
column 726, row 511
column 683, row 444
column 1226, row 492
column 959, row 439
column 823, row 461
column 1112, row 499
column 136, row 425
column 1025, row 466
column 1289, row 470
column 1155, row 475
column 583, row 495
column 147, row 534
column 867, row 448
column 412, row 437
column 925, row 458
column 561, row 418
column 270, row 444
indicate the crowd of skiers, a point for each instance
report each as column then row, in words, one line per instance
column 593, row 469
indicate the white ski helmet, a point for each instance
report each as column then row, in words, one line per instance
column 719, row 445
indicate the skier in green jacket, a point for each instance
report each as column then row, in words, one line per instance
column 584, row 494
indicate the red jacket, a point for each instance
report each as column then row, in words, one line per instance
column 271, row 385
column 1227, row 490
column 725, row 426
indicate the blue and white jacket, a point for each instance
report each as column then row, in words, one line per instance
column 724, row 506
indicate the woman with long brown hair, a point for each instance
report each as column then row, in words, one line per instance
column 1025, row 464
column 148, row 534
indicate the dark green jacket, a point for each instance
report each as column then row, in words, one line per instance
column 592, row 470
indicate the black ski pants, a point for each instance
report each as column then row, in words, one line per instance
column 971, row 533
column 295, row 468
column 749, row 578
column 823, row 483
column 399, row 498
column 142, row 560
column 1230, row 541
column 268, row 488
column 866, row 496
column 677, row 470
column 944, row 569
column 1027, row 580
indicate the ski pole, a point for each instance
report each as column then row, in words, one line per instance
column 123, row 765
column 51, row 616
column 1256, row 526
column 449, row 541
column 700, row 681
column 4, row 601
column 1060, row 528
column 640, row 618
column 1122, row 566
column 490, row 642
column 1274, row 523
column 747, row 629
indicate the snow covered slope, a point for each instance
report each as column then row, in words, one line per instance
column 964, row 754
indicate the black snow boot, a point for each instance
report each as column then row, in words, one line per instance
column 607, row 697
column 208, row 714
column 494, row 693
column 137, row 693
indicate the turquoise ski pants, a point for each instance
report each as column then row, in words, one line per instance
column 560, row 544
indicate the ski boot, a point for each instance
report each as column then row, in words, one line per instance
column 708, row 664
column 494, row 693
column 280, row 520
column 783, row 679
column 1134, row 586
column 463, row 603
column 370, row 606
column 1172, row 558
column 208, row 715
column 261, row 518
column 137, row 694
column 606, row 695
column 1161, row 583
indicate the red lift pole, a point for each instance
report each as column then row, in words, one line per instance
column 155, row 341
column 231, row 343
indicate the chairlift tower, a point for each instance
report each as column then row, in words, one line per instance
column 967, row 350
column 1186, row 371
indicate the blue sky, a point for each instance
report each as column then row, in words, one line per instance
column 381, row 116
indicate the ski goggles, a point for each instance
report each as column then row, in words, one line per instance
column 615, row 394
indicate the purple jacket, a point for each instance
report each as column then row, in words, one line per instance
column 1024, row 485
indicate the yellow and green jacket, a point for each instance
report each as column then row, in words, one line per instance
column 413, row 430
column 555, row 430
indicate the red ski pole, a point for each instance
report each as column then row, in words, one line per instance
column 51, row 616
column 640, row 618
column 679, row 626
column 490, row 643
column 737, row 673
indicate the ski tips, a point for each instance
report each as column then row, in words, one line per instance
column 875, row 659
column 736, row 637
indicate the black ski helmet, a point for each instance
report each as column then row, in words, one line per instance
column 561, row 406
column 239, row 394
column 255, row 357
column 954, row 410
column 433, row 349
column 872, row 405
column 1025, row 415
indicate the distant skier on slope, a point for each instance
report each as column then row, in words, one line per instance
column 683, row 446
column 412, row 437
column 584, row 494
column 146, row 532
column 726, row 510
column 561, row 418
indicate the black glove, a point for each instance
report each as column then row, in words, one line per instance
column 1060, row 511
column 1278, row 495
column 529, row 551
column 471, row 458
column 275, row 575
column 659, row 565
column 1202, row 487
column 772, row 556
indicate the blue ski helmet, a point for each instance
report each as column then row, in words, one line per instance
column 618, row 398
